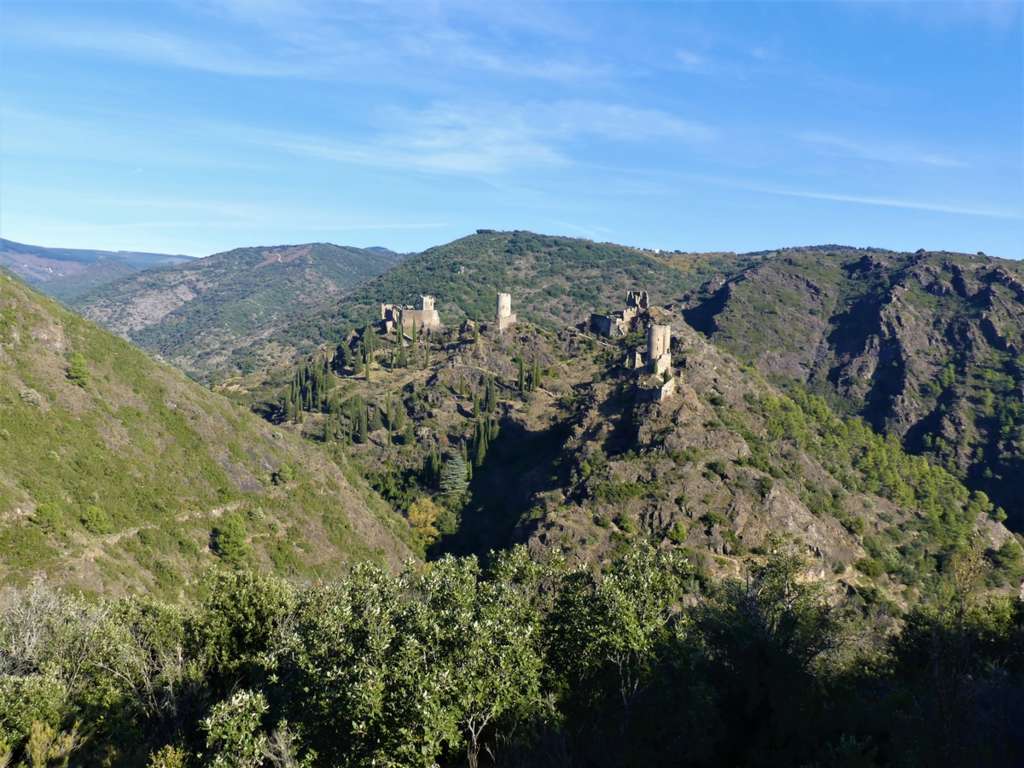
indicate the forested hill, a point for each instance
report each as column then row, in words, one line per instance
column 198, row 315
column 119, row 474
column 555, row 281
column 927, row 346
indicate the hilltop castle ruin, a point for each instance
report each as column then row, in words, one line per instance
column 421, row 318
column 638, row 305
column 504, row 317
column 653, row 364
column 657, row 382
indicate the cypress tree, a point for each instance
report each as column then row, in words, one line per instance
column 464, row 450
column 480, row 444
column 363, row 432
column 522, row 375
column 490, row 395
column 399, row 415
column 375, row 420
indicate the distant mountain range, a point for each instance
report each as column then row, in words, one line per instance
column 69, row 272
column 224, row 313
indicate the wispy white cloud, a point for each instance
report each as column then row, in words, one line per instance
column 884, row 202
column 363, row 42
column 166, row 49
column 692, row 61
column 1000, row 15
column 884, row 152
column 482, row 139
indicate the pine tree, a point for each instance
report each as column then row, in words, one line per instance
column 454, row 476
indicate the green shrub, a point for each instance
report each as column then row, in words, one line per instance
column 96, row 520
column 284, row 474
column 78, row 371
column 229, row 539
column 869, row 566
column 677, row 534
column 49, row 518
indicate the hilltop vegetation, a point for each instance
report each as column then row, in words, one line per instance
column 224, row 313
column 928, row 347
column 525, row 662
column 119, row 474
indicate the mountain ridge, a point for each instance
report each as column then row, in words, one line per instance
column 68, row 272
column 195, row 315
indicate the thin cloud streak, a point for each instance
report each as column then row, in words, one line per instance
column 886, row 202
column 482, row 139
column 896, row 154
column 165, row 49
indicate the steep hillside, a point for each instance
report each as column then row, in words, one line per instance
column 486, row 439
column 119, row 474
column 926, row 346
column 69, row 272
column 201, row 315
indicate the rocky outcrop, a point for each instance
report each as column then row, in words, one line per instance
column 926, row 346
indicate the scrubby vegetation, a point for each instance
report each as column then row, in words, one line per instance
column 519, row 662
column 118, row 472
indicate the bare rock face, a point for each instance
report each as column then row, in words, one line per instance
column 925, row 346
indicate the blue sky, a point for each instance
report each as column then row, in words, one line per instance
column 194, row 127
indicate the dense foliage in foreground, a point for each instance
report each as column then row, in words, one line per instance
column 519, row 663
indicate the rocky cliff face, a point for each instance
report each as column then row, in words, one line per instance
column 926, row 346
column 730, row 462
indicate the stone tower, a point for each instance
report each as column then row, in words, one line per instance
column 504, row 317
column 426, row 303
column 659, row 341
